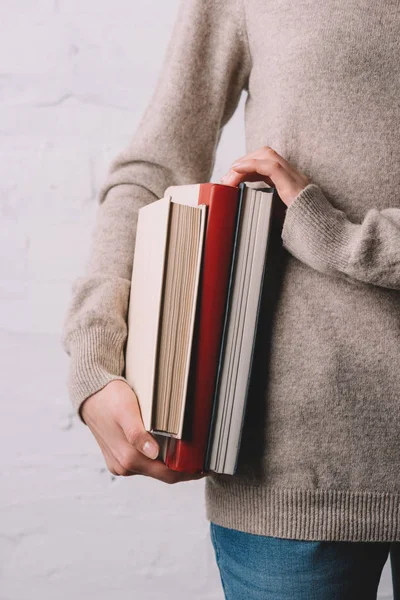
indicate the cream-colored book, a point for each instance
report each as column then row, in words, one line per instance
column 162, row 309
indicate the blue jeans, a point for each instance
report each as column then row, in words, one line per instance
column 256, row 567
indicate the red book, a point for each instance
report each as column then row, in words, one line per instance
column 188, row 454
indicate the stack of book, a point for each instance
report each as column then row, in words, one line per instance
column 197, row 279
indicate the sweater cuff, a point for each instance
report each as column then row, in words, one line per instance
column 97, row 357
column 317, row 233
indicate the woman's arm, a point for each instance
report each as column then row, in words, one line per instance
column 322, row 236
column 205, row 69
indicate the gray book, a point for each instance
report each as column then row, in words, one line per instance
column 240, row 326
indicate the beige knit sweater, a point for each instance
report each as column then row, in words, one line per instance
column 320, row 455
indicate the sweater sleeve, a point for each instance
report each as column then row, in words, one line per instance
column 205, row 69
column 322, row 237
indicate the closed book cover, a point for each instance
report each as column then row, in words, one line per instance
column 188, row 453
column 229, row 407
column 145, row 303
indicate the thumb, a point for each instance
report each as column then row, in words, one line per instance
column 131, row 422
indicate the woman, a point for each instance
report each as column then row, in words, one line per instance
column 314, row 509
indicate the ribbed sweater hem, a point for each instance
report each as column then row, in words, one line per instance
column 304, row 514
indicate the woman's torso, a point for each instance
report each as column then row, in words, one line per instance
column 324, row 91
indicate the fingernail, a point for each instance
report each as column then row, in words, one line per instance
column 150, row 450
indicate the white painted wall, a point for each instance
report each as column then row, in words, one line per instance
column 75, row 77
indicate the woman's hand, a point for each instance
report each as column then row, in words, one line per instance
column 113, row 416
column 265, row 164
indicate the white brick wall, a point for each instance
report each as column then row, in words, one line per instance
column 73, row 85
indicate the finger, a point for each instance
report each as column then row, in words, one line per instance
column 112, row 463
column 268, row 153
column 130, row 420
column 271, row 154
column 132, row 460
column 170, row 476
column 250, row 177
column 273, row 170
column 259, row 153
